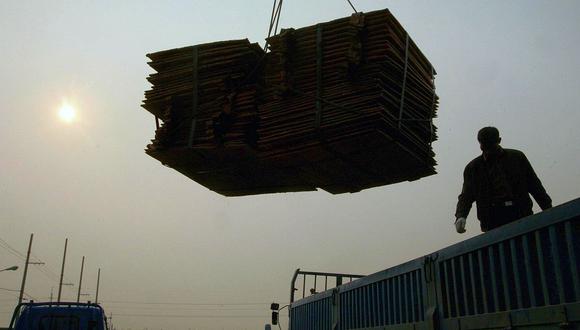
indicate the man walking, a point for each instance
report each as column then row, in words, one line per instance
column 500, row 181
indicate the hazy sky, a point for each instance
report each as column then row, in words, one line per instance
column 160, row 237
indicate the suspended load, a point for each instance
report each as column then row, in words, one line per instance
column 342, row 106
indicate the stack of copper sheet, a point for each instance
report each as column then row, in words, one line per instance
column 343, row 106
column 193, row 84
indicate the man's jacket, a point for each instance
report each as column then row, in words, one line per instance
column 520, row 180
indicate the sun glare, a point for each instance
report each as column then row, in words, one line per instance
column 67, row 113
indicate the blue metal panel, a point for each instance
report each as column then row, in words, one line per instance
column 517, row 279
column 408, row 299
column 361, row 307
column 529, row 276
column 572, row 258
column 351, row 309
column 419, row 295
column 422, row 288
column 454, row 289
column 556, row 263
column 389, row 302
column 542, row 267
column 492, row 274
column 504, row 277
column 314, row 315
column 404, row 299
column 366, row 303
column 482, row 280
column 300, row 318
column 412, row 293
column 472, row 280
column 463, row 285
column 383, row 303
column 321, row 310
column 328, row 314
column 398, row 303
column 447, row 293
column 343, row 314
column 374, row 303
column 379, row 306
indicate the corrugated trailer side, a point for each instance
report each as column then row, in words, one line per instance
column 524, row 275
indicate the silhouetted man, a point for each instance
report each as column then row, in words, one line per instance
column 500, row 181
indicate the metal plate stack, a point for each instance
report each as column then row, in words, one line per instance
column 343, row 106
column 193, row 84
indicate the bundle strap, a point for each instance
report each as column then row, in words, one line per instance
column 319, row 104
column 432, row 114
column 194, row 98
column 402, row 103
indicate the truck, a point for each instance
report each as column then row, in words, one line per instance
column 58, row 316
column 524, row 275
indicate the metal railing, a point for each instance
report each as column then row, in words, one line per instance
column 522, row 274
column 338, row 278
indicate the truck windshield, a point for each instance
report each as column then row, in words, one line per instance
column 59, row 322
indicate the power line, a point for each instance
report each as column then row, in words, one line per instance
column 46, row 271
column 12, row 290
column 184, row 303
column 190, row 308
column 36, row 260
column 9, row 299
column 49, row 271
column 3, row 242
column 195, row 316
column 11, row 250
column 21, row 256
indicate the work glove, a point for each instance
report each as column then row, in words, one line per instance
column 460, row 225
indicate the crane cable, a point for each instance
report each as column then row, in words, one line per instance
column 274, row 20
column 350, row 3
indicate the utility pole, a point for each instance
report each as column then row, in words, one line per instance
column 62, row 270
column 98, row 280
column 81, row 280
column 51, row 290
column 25, row 270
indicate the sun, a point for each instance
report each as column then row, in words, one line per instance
column 67, row 113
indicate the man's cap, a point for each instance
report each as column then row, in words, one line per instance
column 488, row 136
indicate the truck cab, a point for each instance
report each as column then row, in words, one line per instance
column 58, row 316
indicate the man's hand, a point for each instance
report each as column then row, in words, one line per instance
column 460, row 225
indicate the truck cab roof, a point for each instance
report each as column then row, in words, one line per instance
column 59, row 316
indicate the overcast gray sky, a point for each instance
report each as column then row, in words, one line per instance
column 160, row 237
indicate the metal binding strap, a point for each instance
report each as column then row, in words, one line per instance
column 318, row 118
column 404, row 80
column 320, row 101
column 194, row 98
column 432, row 114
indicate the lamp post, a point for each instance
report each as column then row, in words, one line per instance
column 9, row 268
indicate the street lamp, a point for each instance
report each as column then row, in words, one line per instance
column 9, row 268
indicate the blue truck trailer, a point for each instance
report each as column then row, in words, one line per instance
column 524, row 275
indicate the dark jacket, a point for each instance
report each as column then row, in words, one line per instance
column 520, row 180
